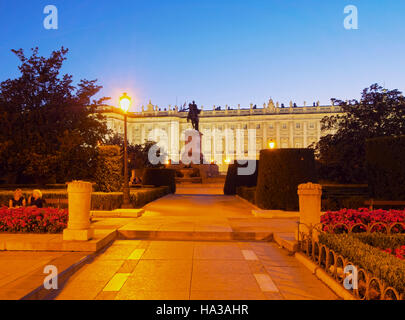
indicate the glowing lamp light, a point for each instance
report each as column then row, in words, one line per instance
column 125, row 102
column 272, row 144
column 227, row 161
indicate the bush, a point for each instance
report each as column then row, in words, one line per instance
column 160, row 177
column 235, row 180
column 281, row 171
column 99, row 200
column 336, row 203
column 247, row 193
column 108, row 173
column 385, row 159
column 380, row 264
column 381, row 240
column 33, row 220
column 138, row 198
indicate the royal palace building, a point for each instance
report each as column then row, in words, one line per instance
column 227, row 134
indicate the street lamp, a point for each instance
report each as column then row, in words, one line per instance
column 272, row 144
column 125, row 103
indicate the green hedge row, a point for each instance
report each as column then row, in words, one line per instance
column 380, row 264
column 99, row 200
column 385, row 158
column 108, row 175
column 138, row 198
column 234, row 179
column 381, row 240
column 281, row 172
column 247, row 193
column 160, row 177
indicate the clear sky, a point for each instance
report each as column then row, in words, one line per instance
column 215, row 51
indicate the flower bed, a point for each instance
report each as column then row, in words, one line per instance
column 33, row 220
column 363, row 218
column 378, row 263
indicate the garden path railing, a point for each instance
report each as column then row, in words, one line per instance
column 334, row 264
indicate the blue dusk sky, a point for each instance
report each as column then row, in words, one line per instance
column 215, row 51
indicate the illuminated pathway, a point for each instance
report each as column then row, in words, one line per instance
column 170, row 270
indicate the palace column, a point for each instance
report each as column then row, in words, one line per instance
column 291, row 135
column 143, row 138
column 264, row 135
column 278, row 134
column 305, row 134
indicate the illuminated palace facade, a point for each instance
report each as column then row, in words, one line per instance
column 288, row 127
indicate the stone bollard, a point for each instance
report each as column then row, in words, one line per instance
column 310, row 207
column 79, row 193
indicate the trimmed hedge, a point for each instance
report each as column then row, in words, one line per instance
column 160, row 177
column 99, row 200
column 381, row 240
column 108, row 175
column 385, row 159
column 281, row 171
column 247, row 193
column 235, row 180
column 138, row 198
column 380, row 264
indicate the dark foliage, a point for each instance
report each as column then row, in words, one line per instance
column 386, row 167
column 380, row 112
column 234, row 179
column 160, row 177
column 138, row 154
column 281, row 171
column 49, row 128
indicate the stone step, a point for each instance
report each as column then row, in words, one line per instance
column 126, row 234
column 287, row 241
column 118, row 213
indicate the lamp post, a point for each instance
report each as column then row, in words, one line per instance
column 125, row 102
column 272, row 144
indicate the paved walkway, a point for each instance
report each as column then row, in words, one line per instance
column 197, row 270
column 22, row 272
column 176, row 270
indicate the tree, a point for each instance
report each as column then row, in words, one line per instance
column 49, row 128
column 108, row 175
column 138, row 154
column 380, row 112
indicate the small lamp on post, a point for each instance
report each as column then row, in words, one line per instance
column 272, row 144
column 125, row 103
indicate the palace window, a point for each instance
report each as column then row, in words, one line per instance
column 284, row 126
column 312, row 125
column 298, row 125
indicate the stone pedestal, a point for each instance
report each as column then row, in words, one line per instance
column 79, row 194
column 193, row 147
column 310, row 206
